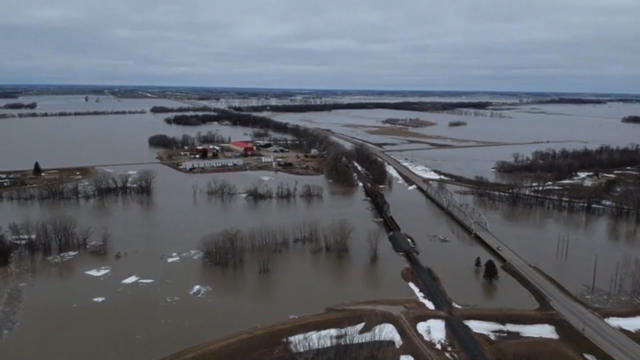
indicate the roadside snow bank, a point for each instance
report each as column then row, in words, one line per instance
column 421, row 296
column 392, row 171
column 423, row 171
column 434, row 331
column 494, row 330
column 320, row 339
column 626, row 323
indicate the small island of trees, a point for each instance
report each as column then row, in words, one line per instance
column 18, row 106
column 632, row 119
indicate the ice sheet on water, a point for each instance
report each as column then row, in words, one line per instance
column 130, row 280
column 199, row 290
column 101, row 271
column 62, row 257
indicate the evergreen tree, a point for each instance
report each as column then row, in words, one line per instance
column 37, row 171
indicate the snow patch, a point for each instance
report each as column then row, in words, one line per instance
column 145, row 281
column 421, row 296
column 626, row 323
column 173, row 259
column 99, row 299
column 358, row 166
column 589, row 357
column 130, row 280
column 320, row 339
column 265, row 178
column 493, row 330
column 412, row 187
column 101, row 271
column 423, row 171
column 434, row 331
column 392, row 171
column 406, row 357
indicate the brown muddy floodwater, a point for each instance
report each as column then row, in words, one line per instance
column 58, row 318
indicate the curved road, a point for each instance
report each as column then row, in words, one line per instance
column 610, row 340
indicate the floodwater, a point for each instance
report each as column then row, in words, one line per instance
column 147, row 320
column 556, row 126
column 565, row 245
column 534, row 233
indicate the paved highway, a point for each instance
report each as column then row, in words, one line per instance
column 609, row 339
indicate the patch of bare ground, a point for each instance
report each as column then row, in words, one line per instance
column 628, row 311
column 410, row 122
column 571, row 340
column 532, row 349
column 269, row 342
column 16, row 179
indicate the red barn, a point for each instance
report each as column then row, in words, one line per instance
column 244, row 147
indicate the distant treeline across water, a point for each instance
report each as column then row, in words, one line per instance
column 70, row 113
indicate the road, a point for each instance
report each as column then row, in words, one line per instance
column 610, row 340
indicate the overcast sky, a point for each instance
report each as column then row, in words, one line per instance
column 545, row 45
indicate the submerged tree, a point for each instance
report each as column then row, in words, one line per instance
column 490, row 271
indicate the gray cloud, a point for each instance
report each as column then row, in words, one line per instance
column 579, row 45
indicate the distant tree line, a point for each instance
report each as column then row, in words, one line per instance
column 164, row 109
column 172, row 142
column 563, row 163
column 577, row 101
column 17, row 106
column 634, row 119
column 9, row 95
column 67, row 113
column 426, row 106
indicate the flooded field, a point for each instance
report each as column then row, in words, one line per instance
column 157, row 236
column 549, row 126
